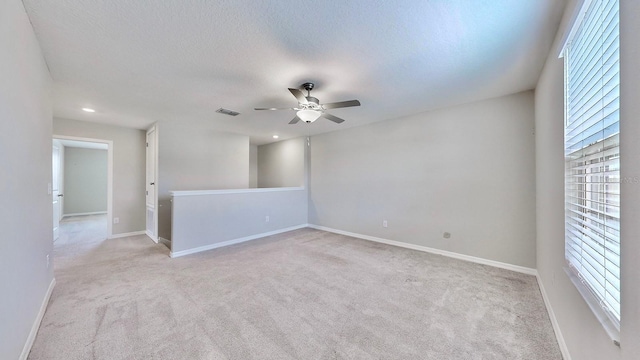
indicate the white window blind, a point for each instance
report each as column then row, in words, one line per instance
column 592, row 156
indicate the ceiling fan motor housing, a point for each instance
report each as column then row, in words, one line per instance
column 314, row 103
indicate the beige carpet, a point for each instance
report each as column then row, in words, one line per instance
column 81, row 229
column 305, row 294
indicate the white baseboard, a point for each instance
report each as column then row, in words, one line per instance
column 554, row 322
column 498, row 264
column 234, row 241
column 85, row 213
column 36, row 324
column 133, row 233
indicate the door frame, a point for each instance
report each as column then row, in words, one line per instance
column 109, row 174
column 153, row 128
column 60, row 181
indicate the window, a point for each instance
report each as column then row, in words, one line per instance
column 592, row 156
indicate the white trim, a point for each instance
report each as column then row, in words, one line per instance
column 516, row 268
column 133, row 233
column 109, row 173
column 234, row 241
column 84, row 213
column 150, row 235
column 156, row 186
column 233, row 191
column 554, row 322
column 576, row 18
column 595, row 304
column 36, row 324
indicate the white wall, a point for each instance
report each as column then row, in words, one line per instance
column 129, row 166
column 584, row 336
column 209, row 219
column 467, row 170
column 281, row 164
column 85, row 185
column 25, row 172
column 197, row 159
column 253, row 166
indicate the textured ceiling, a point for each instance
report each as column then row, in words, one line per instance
column 138, row 62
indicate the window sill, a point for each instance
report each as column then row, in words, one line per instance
column 596, row 308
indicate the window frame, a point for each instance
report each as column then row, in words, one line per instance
column 608, row 320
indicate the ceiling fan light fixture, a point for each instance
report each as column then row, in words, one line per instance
column 309, row 116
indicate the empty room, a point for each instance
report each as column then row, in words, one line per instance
column 320, row 180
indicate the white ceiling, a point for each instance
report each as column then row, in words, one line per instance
column 138, row 62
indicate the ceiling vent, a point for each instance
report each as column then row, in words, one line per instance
column 227, row 112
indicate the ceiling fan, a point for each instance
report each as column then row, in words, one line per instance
column 309, row 108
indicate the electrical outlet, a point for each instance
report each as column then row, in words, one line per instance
column 116, row 220
column 446, row 235
column 384, row 223
column 266, row 218
column 48, row 261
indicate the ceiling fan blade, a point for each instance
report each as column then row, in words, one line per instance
column 299, row 95
column 335, row 119
column 341, row 104
column 273, row 109
column 295, row 120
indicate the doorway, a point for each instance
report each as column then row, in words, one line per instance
column 82, row 188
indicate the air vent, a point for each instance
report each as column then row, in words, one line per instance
column 227, row 112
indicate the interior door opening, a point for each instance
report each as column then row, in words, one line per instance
column 82, row 170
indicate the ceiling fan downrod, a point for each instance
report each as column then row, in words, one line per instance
column 308, row 86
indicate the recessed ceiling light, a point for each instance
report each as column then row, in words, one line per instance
column 275, row 136
column 88, row 110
